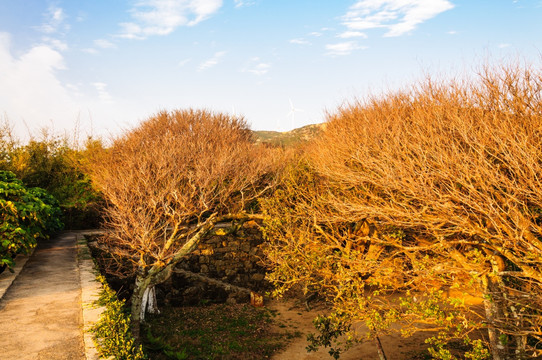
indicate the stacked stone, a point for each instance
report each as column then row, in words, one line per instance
column 233, row 259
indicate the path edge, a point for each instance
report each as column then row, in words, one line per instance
column 90, row 292
column 7, row 277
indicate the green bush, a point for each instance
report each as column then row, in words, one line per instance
column 52, row 213
column 25, row 215
column 112, row 331
column 51, row 163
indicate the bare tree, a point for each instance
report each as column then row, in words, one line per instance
column 448, row 176
column 168, row 182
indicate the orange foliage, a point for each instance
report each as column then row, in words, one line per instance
column 169, row 181
column 448, row 174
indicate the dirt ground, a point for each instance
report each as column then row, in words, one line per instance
column 296, row 317
column 41, row 311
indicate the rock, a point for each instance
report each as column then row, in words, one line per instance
column 257, row 277
column 246, row 247
column 230, row 272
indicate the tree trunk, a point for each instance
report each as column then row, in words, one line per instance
column 144, row 291
column 380, row 349
column 493, row 306
column 149, row 304
column 157, row 274
column 521, row 345
column 142, row 284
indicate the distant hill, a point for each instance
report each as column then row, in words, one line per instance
column 289, row 138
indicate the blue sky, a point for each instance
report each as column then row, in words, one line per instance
column 107, row 65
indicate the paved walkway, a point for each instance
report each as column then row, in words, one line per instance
column 40, row 314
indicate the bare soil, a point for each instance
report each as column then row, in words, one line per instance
column 296, row 317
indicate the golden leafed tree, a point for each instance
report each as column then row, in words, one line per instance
column 416, row 194
column 167, row 184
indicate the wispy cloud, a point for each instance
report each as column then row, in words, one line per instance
column 352, row 34
column 343, row 48
column 91, row 51
column 503, row 45
column 241, row 3
column 99, row 43
column 53, row 28
column 82, row 16
column 398, row 17
column 257, row 67
column 162, row 17
column 183, row 62
column 55, row 43
column 212, row 61
column 300, row 41
column 103, row 94
column 54, row 17
column 104, row 44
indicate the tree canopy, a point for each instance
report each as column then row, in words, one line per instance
column 169, row 181
column 425, row 196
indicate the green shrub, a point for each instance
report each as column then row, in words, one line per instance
column 52, row 214
column 112, row 332
column 25, row 215
column 53, row 164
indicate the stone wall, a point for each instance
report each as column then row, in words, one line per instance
column 233, row 259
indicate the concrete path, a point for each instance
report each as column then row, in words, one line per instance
column 40, row 314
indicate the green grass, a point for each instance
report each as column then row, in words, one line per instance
column 214, row 332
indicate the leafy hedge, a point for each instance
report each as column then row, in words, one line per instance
column 26, row 214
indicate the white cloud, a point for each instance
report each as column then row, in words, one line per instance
column 54, row 27
column 398, row 17
column 452, row 32
column 162, row 17
column 352, row 34
column 257, row 67
column 241, row 3
column 91, row 51
column 260, row 69
column 212, row 61
column 73, row 88
column 99, row 43
column 55, row 43
column 503, row 45
column 300, row 41
column 183, row 62
column 316, row 34
column 103, row 94
column 53, row 20
column 104, row 44
column 30, row 89
column 343, row 48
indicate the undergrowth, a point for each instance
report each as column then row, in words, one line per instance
column 112, row 332
column 218, row 331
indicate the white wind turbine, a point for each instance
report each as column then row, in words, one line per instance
column 292, row 112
